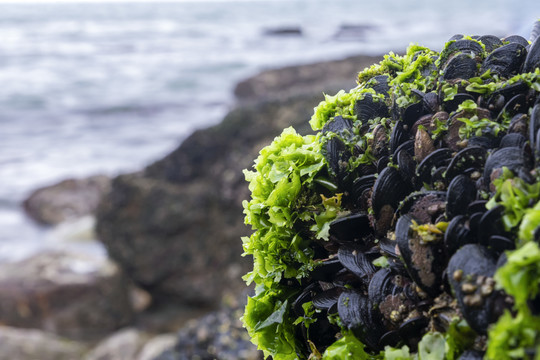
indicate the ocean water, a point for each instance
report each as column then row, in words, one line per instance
column 108, row 87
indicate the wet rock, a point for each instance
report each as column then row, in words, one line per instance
column 24, row 344
column 67, row 200
column 74, row 295
column 356, row 32
column 123, row 345
column 284, row 31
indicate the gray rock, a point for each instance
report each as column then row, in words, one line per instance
column 284, row 31
column 327, row 77
column 24, row 344
column 176, row 226
column 67, row 200
column 156, row 346
column 122, row 345
column 74, row 295
column 218, row 335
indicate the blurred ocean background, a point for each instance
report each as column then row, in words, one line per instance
column 108, row 87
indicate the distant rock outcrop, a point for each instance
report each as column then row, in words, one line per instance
column 67, row 200
column 175, row 227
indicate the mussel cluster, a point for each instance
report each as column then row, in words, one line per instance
column 414, row 158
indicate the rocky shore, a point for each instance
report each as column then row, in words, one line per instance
column 171, row 287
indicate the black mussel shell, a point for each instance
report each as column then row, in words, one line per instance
column 514, row 106
column 383, row 284
column 354, row 260
column 470, row 273
column 516, row 39
column 491, row 224
column 398, row 136
column 463, row 45
column 491, row 42
column 532, row 60
column 534, row 124
column 337, row 155
column 326, row 299
column 506, row 60
column 458, row 234
column 413, row 329
column 470, row 157
column 406, row 166
column 424, row 206
column 407, row 146
column 327, row 270
column 338, row 124
column 513, row 140
column 452, row 104
column 360, row 315
column 304, row 297
column 361, row 190
column 460, row 66
column 477, row 206
column 350, row 228
column 424, row 261
column 412, row 113
column 437, row 158
column 379, row 83
column 461, row 192
column 513, row 158
column 368, row 108
column 389, row 189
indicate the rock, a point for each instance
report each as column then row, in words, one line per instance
column 314, row 79
column 218, row 335
column 67, row 200
column 353, row 32
column 284, row 31
column 175, row 227
column 122, row 345
column 156, row 346
column 74, row 295
column 23, row 344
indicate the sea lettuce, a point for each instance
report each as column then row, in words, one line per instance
column 516, row 196
column 268, row 323
column 514, row 333
column 280, row 197
column 348, row 348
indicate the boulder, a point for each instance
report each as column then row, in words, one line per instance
column 175, row 227
column 122, row 345
column 75, row 295
column 67, row 200
column 284, row 31
column 24, row 344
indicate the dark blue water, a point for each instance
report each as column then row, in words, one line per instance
column 108, row 87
